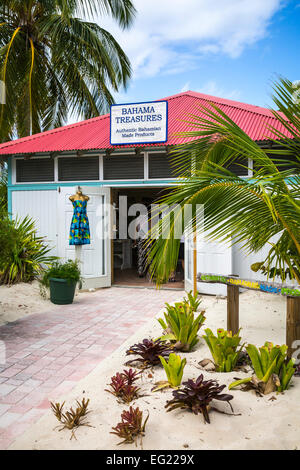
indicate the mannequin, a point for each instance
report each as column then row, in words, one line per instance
column 79, row 196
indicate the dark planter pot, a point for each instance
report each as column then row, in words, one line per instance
column 62, row 291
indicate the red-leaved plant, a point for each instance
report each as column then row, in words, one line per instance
column 122, row 387
column 149, row 352
column 131, row 426
column 197, row 395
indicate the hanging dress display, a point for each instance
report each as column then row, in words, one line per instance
column 80, row 229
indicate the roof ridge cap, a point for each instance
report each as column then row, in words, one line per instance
column 227, row 102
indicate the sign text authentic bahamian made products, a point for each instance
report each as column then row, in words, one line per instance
column 139, row 123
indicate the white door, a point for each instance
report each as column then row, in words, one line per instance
column 212, row 257
column 95, row 259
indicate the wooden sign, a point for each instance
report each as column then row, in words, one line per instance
column 263, row 286
column 292, row 293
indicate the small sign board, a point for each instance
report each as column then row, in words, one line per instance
column 139, row 123
column 263, row 286
column 292, row 294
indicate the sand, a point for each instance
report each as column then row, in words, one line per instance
column 263, row 424
column 19, row 300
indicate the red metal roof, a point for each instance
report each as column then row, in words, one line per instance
column 94, row 133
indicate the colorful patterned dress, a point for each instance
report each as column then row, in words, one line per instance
column 80, row 229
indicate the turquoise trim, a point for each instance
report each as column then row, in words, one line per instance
column 9, row 202
column 9, row 171
column 54, row 186
column 9, row 195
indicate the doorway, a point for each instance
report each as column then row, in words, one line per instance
column 128, row 257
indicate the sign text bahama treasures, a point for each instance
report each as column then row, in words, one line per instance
column 139, row 123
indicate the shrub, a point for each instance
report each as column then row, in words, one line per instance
column 223, row 348
column 149, row 352
column 272, row 369
column 197, row 395
column 71, row 419
column 68, row 270
column 23, row 254
column 174, row 370
column 131, row 426
column 122, row 387
column 180, row 325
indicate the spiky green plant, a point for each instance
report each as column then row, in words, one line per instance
column 225, row 348
column 180, row 325
column 25, row 254
column 269, row 362
column 174, row 370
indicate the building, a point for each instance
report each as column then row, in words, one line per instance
column 45, row 169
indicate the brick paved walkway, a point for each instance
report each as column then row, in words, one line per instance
column 48, row 353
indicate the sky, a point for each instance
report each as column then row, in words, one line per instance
column 228, row 48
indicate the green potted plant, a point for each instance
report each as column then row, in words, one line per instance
column 62, row 278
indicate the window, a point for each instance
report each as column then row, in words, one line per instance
column 78, row 169
column 123, row 167
column 160, row 166
column 34, row 170
column 240, row 167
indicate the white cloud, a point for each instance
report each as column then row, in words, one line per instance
column 212, row 88
column 169, row 36
column 186, row 87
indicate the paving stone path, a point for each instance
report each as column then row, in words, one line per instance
column 48, row 353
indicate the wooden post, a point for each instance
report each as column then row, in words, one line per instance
column 292, row 323
column 233, row 308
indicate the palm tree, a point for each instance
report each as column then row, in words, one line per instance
column 54, row 63
column 263, row 209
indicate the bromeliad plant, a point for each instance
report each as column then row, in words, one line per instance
column 149, row 352
column 174, row 370
column 272, row 369
column 197, row 396
column 131, row 426
column 225, row 348
column 192, row 302
column 180, row 325
column 122, row 387
column 71, row 419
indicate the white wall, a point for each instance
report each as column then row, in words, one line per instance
column 242, row 262
column 42, row 207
